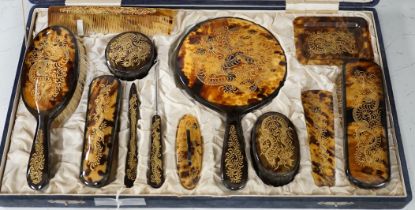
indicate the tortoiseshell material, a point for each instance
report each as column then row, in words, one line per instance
column 189, row 151
column 319, row 115
column 275, row 149
column 367, row 150
column 233, row 66
column 49, row 78
column 114, row 19
column 155, row 172
column 332, row 40
column 50, row 70
column 130, row 55
column 101, row 130
column 132, row 151
column 231, row 62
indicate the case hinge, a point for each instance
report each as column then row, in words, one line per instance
column 313, row 5
column 93, row 2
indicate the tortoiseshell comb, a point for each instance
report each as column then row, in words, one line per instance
column 149, row 21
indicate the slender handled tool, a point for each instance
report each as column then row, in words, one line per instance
column 155, row 174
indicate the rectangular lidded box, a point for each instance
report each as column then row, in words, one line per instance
column 217, row 197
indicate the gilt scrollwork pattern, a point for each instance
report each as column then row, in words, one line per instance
column 108, row 10
column 48, row 61
column 366, row 128
column 129, row 50
column 233, row 157
column 101, row 125
column 37, row 161
column 325, row 43
column 156, row 162
column 369, row 133
column 239, row 71
column 132, row 159
column 331, row 40
column 276, row 143
column 97, row 132
column 232, row 57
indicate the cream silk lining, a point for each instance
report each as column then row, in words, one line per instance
column 66, row 141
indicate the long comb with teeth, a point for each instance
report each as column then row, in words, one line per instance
column 149, row 21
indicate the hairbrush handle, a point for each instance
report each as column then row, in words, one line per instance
column 155, row 173
column 132, row 160
column 234, row 166
column 38, row 167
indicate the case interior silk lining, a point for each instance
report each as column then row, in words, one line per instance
column 66, row 141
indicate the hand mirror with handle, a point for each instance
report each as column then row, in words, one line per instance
column 233, row 66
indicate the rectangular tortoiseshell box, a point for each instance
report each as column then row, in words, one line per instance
column 241, row 201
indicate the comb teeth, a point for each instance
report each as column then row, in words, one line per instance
column 148, row 21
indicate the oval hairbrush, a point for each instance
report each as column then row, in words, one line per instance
column 275, row 149
column 51, row 83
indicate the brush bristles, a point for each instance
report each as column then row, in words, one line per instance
column 77, row 95
column 114, row 19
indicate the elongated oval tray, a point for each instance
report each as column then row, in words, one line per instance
column 275, row 149
column 101, row 128
column 189, row 151
column 332, row 40
column 365, row 127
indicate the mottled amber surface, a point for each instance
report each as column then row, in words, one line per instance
column 100, row 125
column 189, row 151
column 277, row 144
column 231, row 61
column 318, row 111
column 49, row 69
column 367, row 142
column 332, row 40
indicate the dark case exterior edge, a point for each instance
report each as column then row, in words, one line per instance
column 40, row 200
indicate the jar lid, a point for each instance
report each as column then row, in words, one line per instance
column 130, row 55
